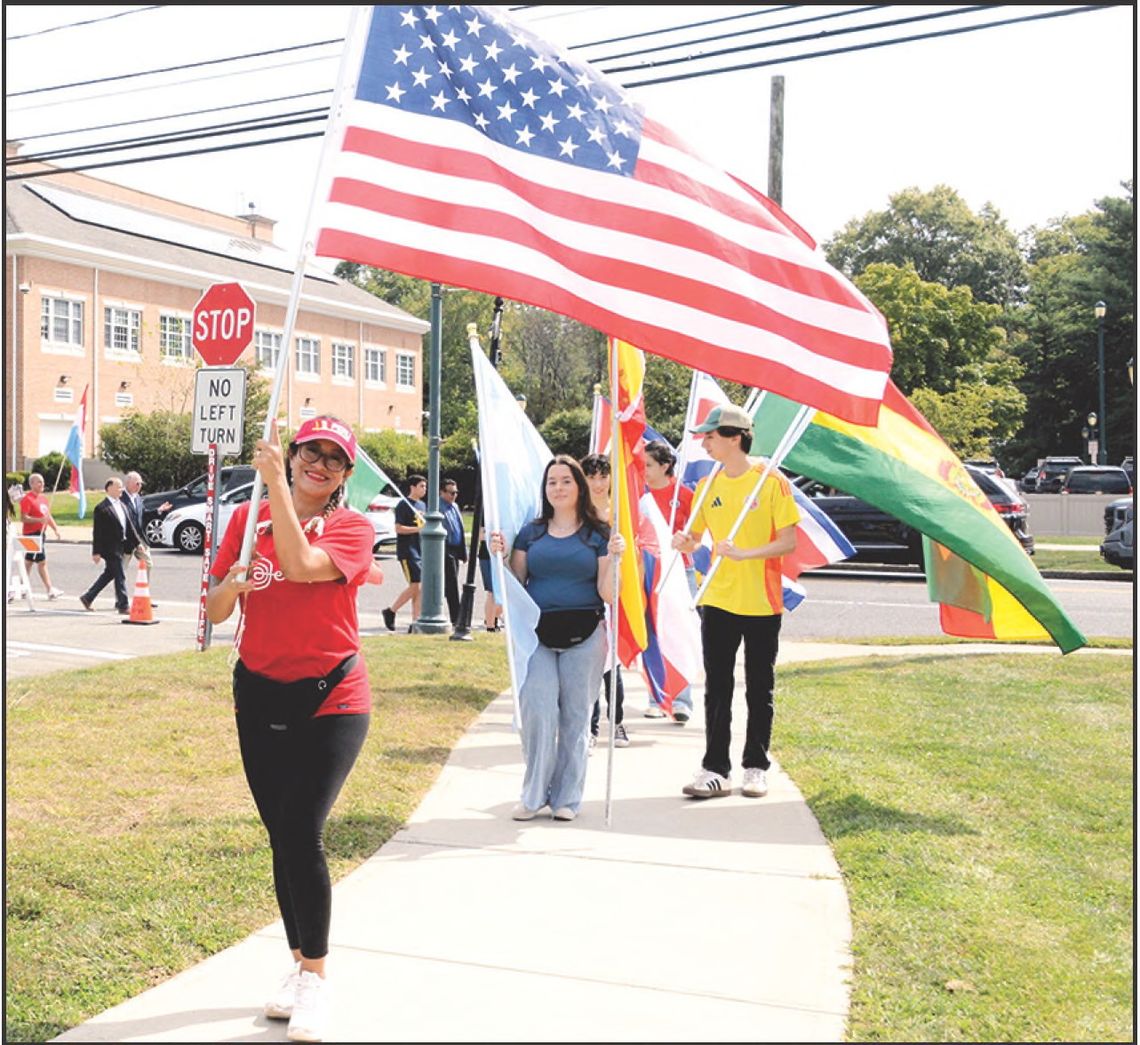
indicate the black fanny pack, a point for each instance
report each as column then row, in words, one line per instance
column 561, row 629
column 280, row 705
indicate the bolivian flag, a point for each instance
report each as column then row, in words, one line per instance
column 902, row 466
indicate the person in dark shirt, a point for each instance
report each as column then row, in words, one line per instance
column 409, row 521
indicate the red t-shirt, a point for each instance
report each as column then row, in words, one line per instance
column 293, row 630
column 35, row 505
column 664, row 499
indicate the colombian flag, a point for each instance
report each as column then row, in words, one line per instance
column 902, row 466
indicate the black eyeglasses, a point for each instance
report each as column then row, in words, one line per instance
column 311, row 455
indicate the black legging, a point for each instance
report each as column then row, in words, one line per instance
column 619, row 701
column 295, row 776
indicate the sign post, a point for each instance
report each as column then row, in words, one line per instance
column 221, row 330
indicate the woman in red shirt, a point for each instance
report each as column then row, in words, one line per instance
column 301, row 691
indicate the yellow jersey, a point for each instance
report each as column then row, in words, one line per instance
column 750, row 587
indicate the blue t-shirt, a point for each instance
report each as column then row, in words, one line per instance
column 562, row 572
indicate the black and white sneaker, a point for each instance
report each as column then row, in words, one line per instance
column 707, row 784
column 621, row 737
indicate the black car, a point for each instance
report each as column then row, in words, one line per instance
column 194, row 492
column 1052, row 471
column 879, row 537
column 1115, row 512
column 1096, row 478
column 1119, row 547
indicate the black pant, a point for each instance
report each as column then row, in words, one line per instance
column 721, row 635
column 619, row 700
column 295, row 775
column 451, row 563
column 112, row 571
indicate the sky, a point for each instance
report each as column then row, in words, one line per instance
column 1035, row 118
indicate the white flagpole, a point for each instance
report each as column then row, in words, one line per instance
column 491, row 514
column 799, row 423
column 350, row 60
column 615, row 434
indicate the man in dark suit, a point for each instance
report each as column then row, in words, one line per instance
column 455, row 546
column 112, row 537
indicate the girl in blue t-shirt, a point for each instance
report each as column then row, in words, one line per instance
column 563, row 560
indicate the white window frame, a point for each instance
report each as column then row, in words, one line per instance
column 375, row 366
column 405, row 367
column 267, row 348
column 174, row 343
column 307, row 355
column 128, row 321
column 343, row 362
column 71, row 320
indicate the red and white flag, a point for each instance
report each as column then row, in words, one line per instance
column 471, row 152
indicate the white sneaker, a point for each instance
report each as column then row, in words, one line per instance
column 707, row 784
column 565, row 813
column 755, row 783
column 280, row 1006
column 54, row 594
column 310, row 1018
column 653, row 711
column 520, row 812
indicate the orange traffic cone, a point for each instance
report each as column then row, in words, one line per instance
column 141, row 610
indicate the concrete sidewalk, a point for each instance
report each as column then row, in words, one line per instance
column 682, row 920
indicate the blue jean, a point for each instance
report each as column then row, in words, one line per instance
column 554, row 706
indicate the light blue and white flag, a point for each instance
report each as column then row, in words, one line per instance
column 512, row 459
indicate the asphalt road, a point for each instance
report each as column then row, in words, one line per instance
column 850, row 607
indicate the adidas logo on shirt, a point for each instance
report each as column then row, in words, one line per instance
column 716, row 503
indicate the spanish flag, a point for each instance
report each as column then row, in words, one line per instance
column 903, row 466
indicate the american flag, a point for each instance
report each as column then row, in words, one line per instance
column 471, row 152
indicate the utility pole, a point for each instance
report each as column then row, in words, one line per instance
column 776, row 143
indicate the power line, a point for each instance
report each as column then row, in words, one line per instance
column 160, row 119
column 889, row 24
column 156, row 159
column 174, row 68
column 158, row 140
column 88, row 21
column 863, row 47
column 746, row 32
column 691, row 25
column 260, row 123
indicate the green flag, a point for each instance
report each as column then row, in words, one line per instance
column 366, row 481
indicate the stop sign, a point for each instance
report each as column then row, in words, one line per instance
column 222, row 327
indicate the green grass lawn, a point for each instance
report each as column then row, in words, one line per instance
column 980, row 808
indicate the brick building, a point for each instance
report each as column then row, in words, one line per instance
column 100, row 284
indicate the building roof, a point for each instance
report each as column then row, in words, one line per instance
column 46, row 218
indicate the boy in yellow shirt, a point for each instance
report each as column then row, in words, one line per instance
column 744, row 600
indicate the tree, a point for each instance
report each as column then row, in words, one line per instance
column 156, row 444
column 568, row 431
column 945, row 242
column 1075, row 262
column 936, row 332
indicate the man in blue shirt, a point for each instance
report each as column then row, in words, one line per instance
column 455, row 545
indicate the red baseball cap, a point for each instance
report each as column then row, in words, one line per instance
column 331, row 429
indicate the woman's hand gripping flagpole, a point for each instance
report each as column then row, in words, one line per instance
column 799, row 424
